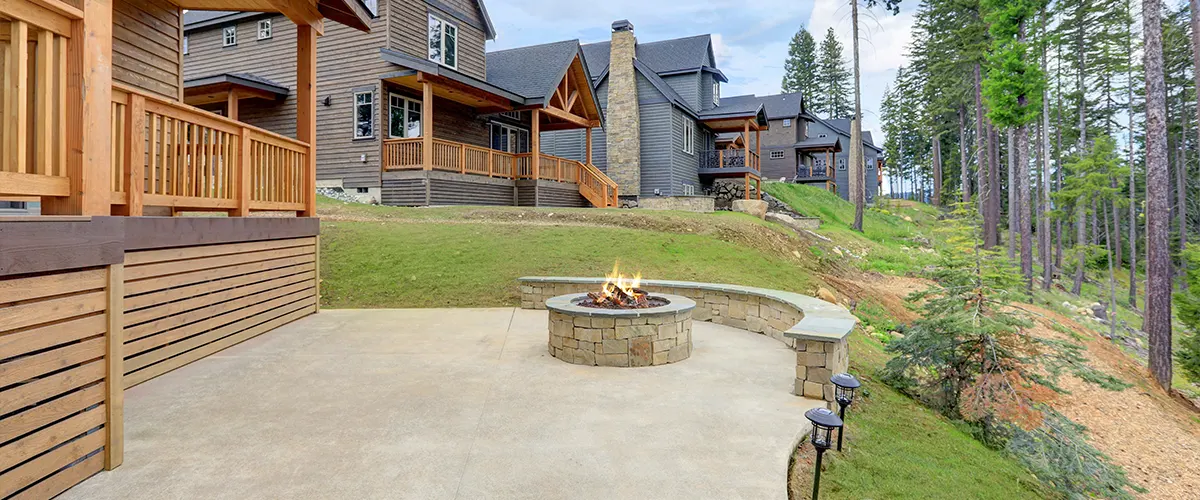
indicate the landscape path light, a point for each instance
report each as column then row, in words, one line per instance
column 824, row 422
column 844, row 395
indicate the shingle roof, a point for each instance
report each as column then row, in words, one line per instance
column 664, row 56
column 780, row 106
column 192, row 17
column 737, row 106
column 531, row 72
column 818, row 143
column 662, row 86
column 842, row 126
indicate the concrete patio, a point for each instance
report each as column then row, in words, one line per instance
column 462, row 403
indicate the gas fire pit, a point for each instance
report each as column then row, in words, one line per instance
column 621, row 325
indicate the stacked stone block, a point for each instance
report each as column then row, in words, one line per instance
column 646, row 340
column 816, row 362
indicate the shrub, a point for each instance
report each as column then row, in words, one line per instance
column 1187, row 305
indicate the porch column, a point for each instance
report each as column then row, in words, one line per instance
column 306, row 109
column 426, row 125
column 758, row 146
column 588, row 146
column 746, row 139
column 231, row 105
column 89, row 125
column 535, row 143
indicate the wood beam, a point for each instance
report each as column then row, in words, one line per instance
column 588, row 145
column 303, row 13
column 454, row 86
column 306, row 110
column 567, row 117
column 571, row 101
column 231, row 105
column 535, row 144
column 38, row 15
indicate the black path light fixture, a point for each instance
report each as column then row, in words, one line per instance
column 824, row 421
column 845, row 384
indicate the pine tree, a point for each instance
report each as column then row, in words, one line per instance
column 800, row 71
column 834, row 79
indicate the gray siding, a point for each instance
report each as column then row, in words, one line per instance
column 347, row 59
column 841, row 161
column 646, row 92
column 408, row 31
column 657, row 131
column 706, row 91
column 687, row 86
column 410, row 188
column 684, row 166
column 780, row 138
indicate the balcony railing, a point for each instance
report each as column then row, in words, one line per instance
column 811, row 171
column 450, row 156
column 729, row 158
column 172, row 155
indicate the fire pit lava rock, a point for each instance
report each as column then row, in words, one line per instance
column 598, row 336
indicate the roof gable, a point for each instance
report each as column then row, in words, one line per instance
column 662, row 57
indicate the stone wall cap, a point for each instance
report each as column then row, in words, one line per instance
column 566, row 304
column 822, row 321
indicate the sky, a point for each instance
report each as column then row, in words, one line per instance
column 750, row 39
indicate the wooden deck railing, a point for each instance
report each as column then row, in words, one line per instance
column 729, row 158
column 408, row 154
column 173, row 155
column 33, row 99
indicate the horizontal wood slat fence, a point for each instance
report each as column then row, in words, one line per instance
column 450, row 156
column 33, row 99
column 184, row 304
column 60, row 402
column 92, row 306
column 173, row 155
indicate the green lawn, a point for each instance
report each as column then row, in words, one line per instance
column 430, row 264
column 899, row 449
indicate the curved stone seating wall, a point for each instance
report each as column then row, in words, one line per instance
column 815, row 329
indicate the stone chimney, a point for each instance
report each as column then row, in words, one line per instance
column 623, row 126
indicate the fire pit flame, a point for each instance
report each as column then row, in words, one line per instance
column 620, row 292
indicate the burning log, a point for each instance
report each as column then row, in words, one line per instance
column 614, row 297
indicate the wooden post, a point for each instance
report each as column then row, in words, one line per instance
column 44, row 135
column 757, row 149
column 244, row 169
column 721, row 158
column 426, row 125
column 588, row 145
column 490, row 164
column 535, row 144
column 758, row 186
column 462, row 158
column 114, row 386
column 231, row 105
column 89, row 115
column 317, row 273
column 746, row 191
column 134, row 169
column 746, row 144
column 17, row 107
column 306, row 109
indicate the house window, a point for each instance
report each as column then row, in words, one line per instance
column 510, row 139
column 841, row 164
column 264, row 29
column 185, row 45
column 364, row 115
column 689, row 131
column 787, row 122
column 362, row 190
column 372, row 6
column 777, row 155
column 404, row 117
column 716, row 93
column 443, row 42
column 229, row 36
column 515, row 115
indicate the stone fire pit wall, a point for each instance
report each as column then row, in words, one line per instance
column 815, row 329
column 620, row 337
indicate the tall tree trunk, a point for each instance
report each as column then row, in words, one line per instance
column 1194, row 6
column 937, row 170
column 964, row 175
column 1012, row 196
column 1058, row 175
column 1080, row 241
column 1157, row 318
column 1024, row 202
column 1116, row 229
column 991, row 221
column 1181, row 192
column 857, row 172
column 1112, row 279
column 1133, row 253
column 980, row 148
column 1044, row 227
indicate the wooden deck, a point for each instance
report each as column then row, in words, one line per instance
column 450, row 156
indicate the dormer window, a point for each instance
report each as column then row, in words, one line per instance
column 264, row 29
column 229, row 36
column 443, row 42
column 716, row 93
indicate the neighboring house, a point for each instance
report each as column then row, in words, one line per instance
column 414, row 112
column 664, row 111
column 800, row 147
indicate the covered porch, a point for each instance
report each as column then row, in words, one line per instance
column 495, row 133
column 84, row 136
column 819, row 167
column 735, row 158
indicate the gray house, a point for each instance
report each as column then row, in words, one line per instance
column 825, row 129
column 416, row 112
column 664, row 111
